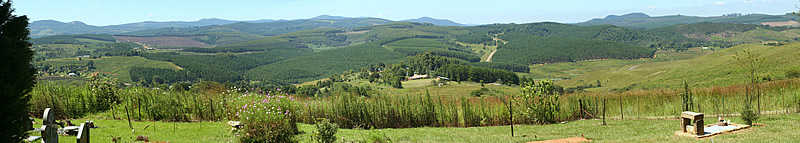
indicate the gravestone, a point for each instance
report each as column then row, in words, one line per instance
column 83, row 133
column 49, row 127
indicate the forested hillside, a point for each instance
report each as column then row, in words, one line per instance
column 528, row 49
column 291, row 52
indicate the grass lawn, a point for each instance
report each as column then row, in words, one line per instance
column 780, row 128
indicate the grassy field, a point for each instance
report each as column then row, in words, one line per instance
column 116, row 66
column 569, row 70
column 778, row 128
column 717, row 68
column 450, row 90
column 759, row 35
column 157, row 131
column 479, row 49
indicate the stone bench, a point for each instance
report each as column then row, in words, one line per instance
column 695, row 120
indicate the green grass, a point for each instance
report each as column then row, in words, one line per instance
column 718, row 68
column 479, row 49
column 569, row 70
column 64, row 50
column 450, row 90
column 157, row 131
column 93, row 41
column 780, row 128
column 116, row 66
column 759, row 35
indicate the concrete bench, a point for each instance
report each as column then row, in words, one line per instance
column 693, row 119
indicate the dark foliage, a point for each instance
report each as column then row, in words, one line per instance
column 72, row 39
column 526, row 49
column 226, row 66
column 476, row 74
column 16, row 74
column 514, row 67
column 159, row 75
column 427, row 62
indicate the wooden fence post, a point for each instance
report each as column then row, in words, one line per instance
column 620, row 108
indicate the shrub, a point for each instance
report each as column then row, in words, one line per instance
column 377, row 137
column 326, row 131
column 479, row 92
column 793, row 73
column 266, row 116
column 748, row 115
column 542, row 101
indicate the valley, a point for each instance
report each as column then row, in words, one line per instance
column 368, row 79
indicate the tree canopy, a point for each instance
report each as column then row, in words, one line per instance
column 16, row 73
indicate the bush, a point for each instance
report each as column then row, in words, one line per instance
column 793, row 73
column 377, row 137
column 479, row 92
column 326, row 131
column 542, row 101
column 267, row 117
column 748, row 115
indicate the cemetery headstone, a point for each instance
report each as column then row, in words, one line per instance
column 83, row 133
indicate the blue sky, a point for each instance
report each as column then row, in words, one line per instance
column 111, row 12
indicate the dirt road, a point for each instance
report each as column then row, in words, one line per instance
column 489, row 59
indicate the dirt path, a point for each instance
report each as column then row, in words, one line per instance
column 633, row 67
column 489, row 59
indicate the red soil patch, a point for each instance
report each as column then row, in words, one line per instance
column 169, row 41
column 564, row 140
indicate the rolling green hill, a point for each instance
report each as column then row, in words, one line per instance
column 317, row 48
column 114, row 66
column 70, row 39
column 267, row 28
column 323, row 64
column 715, row 69
column 527, row 49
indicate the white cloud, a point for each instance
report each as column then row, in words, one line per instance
column 652, row 7
column 150, row 15
column 749, row 1
column 389, row 13
column 380, row 15
column 719, row 3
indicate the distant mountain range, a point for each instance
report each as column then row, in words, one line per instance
column 641, row 20
column 440, row 22
column 632, row 20
column 51, row 27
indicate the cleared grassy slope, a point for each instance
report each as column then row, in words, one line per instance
column 114, row 65
column 717, row 68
